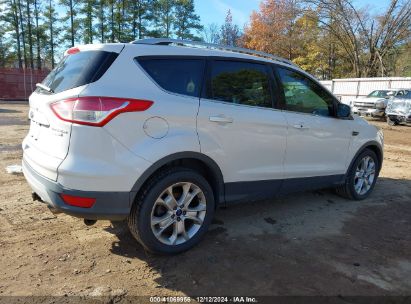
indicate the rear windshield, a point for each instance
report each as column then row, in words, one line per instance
column 77, row 70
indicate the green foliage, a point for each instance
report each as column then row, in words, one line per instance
column 36, row 32
column 185, row 19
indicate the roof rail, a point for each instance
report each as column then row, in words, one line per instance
column 168, row 41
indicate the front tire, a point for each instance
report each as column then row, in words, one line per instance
column 361, row 177
column 173, row 211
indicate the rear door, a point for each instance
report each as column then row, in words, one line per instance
column 240, row 130
column 47, row 142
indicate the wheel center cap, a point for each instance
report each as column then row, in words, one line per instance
column 179, row 212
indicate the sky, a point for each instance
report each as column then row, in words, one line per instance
column 214, row 11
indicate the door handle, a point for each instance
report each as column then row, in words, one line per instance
column 300, row 126
column 221, row 119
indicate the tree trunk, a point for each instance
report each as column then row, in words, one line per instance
column 16, row 22
column 112, row 21
column 51, row 35
column 72, row 22
column 22, row 34
column 36, row 15
column 30, row 34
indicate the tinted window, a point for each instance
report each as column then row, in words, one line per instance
column 405, row 94
column 240, row 82
column 78, row 69
column 182, row 76
column 301, row 94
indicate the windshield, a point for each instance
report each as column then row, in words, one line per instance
column 381, row 93
column 77, row 70
column 406, row 95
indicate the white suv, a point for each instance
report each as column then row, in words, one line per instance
column 160, row 132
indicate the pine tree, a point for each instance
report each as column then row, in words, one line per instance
column 38, row 32
column 72, row 10
column 50, row 25
column 229, row 32
column 186, row 19
column 141, row 16
column 87, row 10
column 30, row 33
column 163, row 12
column 102, row 19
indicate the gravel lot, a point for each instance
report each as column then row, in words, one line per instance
column 313, row 243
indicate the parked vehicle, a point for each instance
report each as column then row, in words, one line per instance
column 160, row 132
column 399, row 109
column 375, row 103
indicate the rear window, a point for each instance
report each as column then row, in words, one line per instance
column 181, row 76
column 78, row 69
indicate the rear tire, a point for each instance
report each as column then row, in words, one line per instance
column 173, row 211
column 361, row 177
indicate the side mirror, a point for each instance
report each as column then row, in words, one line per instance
column 343, row 111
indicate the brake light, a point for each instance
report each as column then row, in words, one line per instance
column 96, row 111
column 72, row 51
column 78, row 201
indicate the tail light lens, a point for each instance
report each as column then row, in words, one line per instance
column 96, row 111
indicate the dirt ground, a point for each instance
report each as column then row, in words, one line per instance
column 313, row 243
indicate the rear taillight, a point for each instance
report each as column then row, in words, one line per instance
column 96, row 111
column 78, row 201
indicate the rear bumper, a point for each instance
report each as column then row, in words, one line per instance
column 108, row 205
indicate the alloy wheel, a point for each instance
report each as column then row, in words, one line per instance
column 178, row 213
column 364, row 175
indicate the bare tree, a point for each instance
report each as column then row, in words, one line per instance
column 366, row 41
column 211, row 33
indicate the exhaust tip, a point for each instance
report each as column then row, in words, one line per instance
column 89, row 222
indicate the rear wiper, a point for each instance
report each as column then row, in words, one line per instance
column 46, row 88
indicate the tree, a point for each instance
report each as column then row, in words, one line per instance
column 29, row 33
column 186, row 19
column 23, row 34
column 367, row 41
column 50, row 20
column 14, row 21
column 71, row 8
column 141, row 15
column 229, row 32
column 38, row 33
column 163, row 18
column 211, row 33
column 273, row 28
column 88, row 30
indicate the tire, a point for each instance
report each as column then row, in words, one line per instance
column 178, row 229
column 352, row 182
column 392, row 122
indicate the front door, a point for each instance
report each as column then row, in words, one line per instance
column 240, row 130
column 317, row 142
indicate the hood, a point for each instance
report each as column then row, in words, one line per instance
column 399, row 106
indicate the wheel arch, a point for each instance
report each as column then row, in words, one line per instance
column 373, row 146
column 192, row 160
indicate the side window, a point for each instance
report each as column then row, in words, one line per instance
column 303, row 95
column 241, row 83
column 182, row 76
